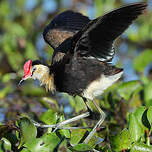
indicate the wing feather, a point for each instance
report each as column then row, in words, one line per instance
column 64, row 26
column 97, row 37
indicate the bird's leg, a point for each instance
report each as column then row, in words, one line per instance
column 84, row 115
column 59, row 125
column 102, row 118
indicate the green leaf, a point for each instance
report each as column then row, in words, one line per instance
column 64, row 132
column 145, row 120
column 127, row 89
column 121, row 141
column 16, row 30
column 5, row 144
column 49, row 117
column 30, row 51
column 5, row 91
column 141, row 147
column 51, row 140
column 76, row 136
column 134, row 128
column 148, row 94
column 82, row 147
column 142, row 60
column 144, row 79
column 5, row 9
column 139, row 114
column 80, row 105
column 149, row 114
column 95, row 141
column 98, row 6
column 6, row 78
column 33, row 91
column 28, row 130
column 15, row 58
column 37, row 145
column 25, row 150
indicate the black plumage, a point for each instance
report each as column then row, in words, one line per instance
column 84, row 56
column 90, row 38
column 80, row 73
column 63, row 26
column 83, row 49
column 96, row 39
column 73, row 74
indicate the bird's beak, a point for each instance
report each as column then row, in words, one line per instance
column 26, row 76
column 21, row 81
column 27, row 71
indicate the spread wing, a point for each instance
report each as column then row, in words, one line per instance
column 64, row 26
column 97, row 37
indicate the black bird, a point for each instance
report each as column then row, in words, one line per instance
column 83, row 50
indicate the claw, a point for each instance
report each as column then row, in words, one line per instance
column 56, row 127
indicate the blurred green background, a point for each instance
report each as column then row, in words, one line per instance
column 21, row 26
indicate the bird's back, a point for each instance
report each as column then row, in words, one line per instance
column 80, row 73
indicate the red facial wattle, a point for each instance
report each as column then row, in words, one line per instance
column 27, row 69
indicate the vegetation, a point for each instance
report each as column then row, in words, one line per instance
column 127, row 104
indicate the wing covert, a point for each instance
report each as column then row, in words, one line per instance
column 97, row 37
column 64, row 26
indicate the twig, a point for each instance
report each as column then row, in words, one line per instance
column 60, row 125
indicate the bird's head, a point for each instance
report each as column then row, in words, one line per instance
column 37, row 70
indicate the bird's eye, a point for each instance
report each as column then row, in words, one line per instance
column 33, row 71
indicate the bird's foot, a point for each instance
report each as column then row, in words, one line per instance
column 57, row 126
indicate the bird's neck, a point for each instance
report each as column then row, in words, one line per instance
column 45, row 77
column 48, row 81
